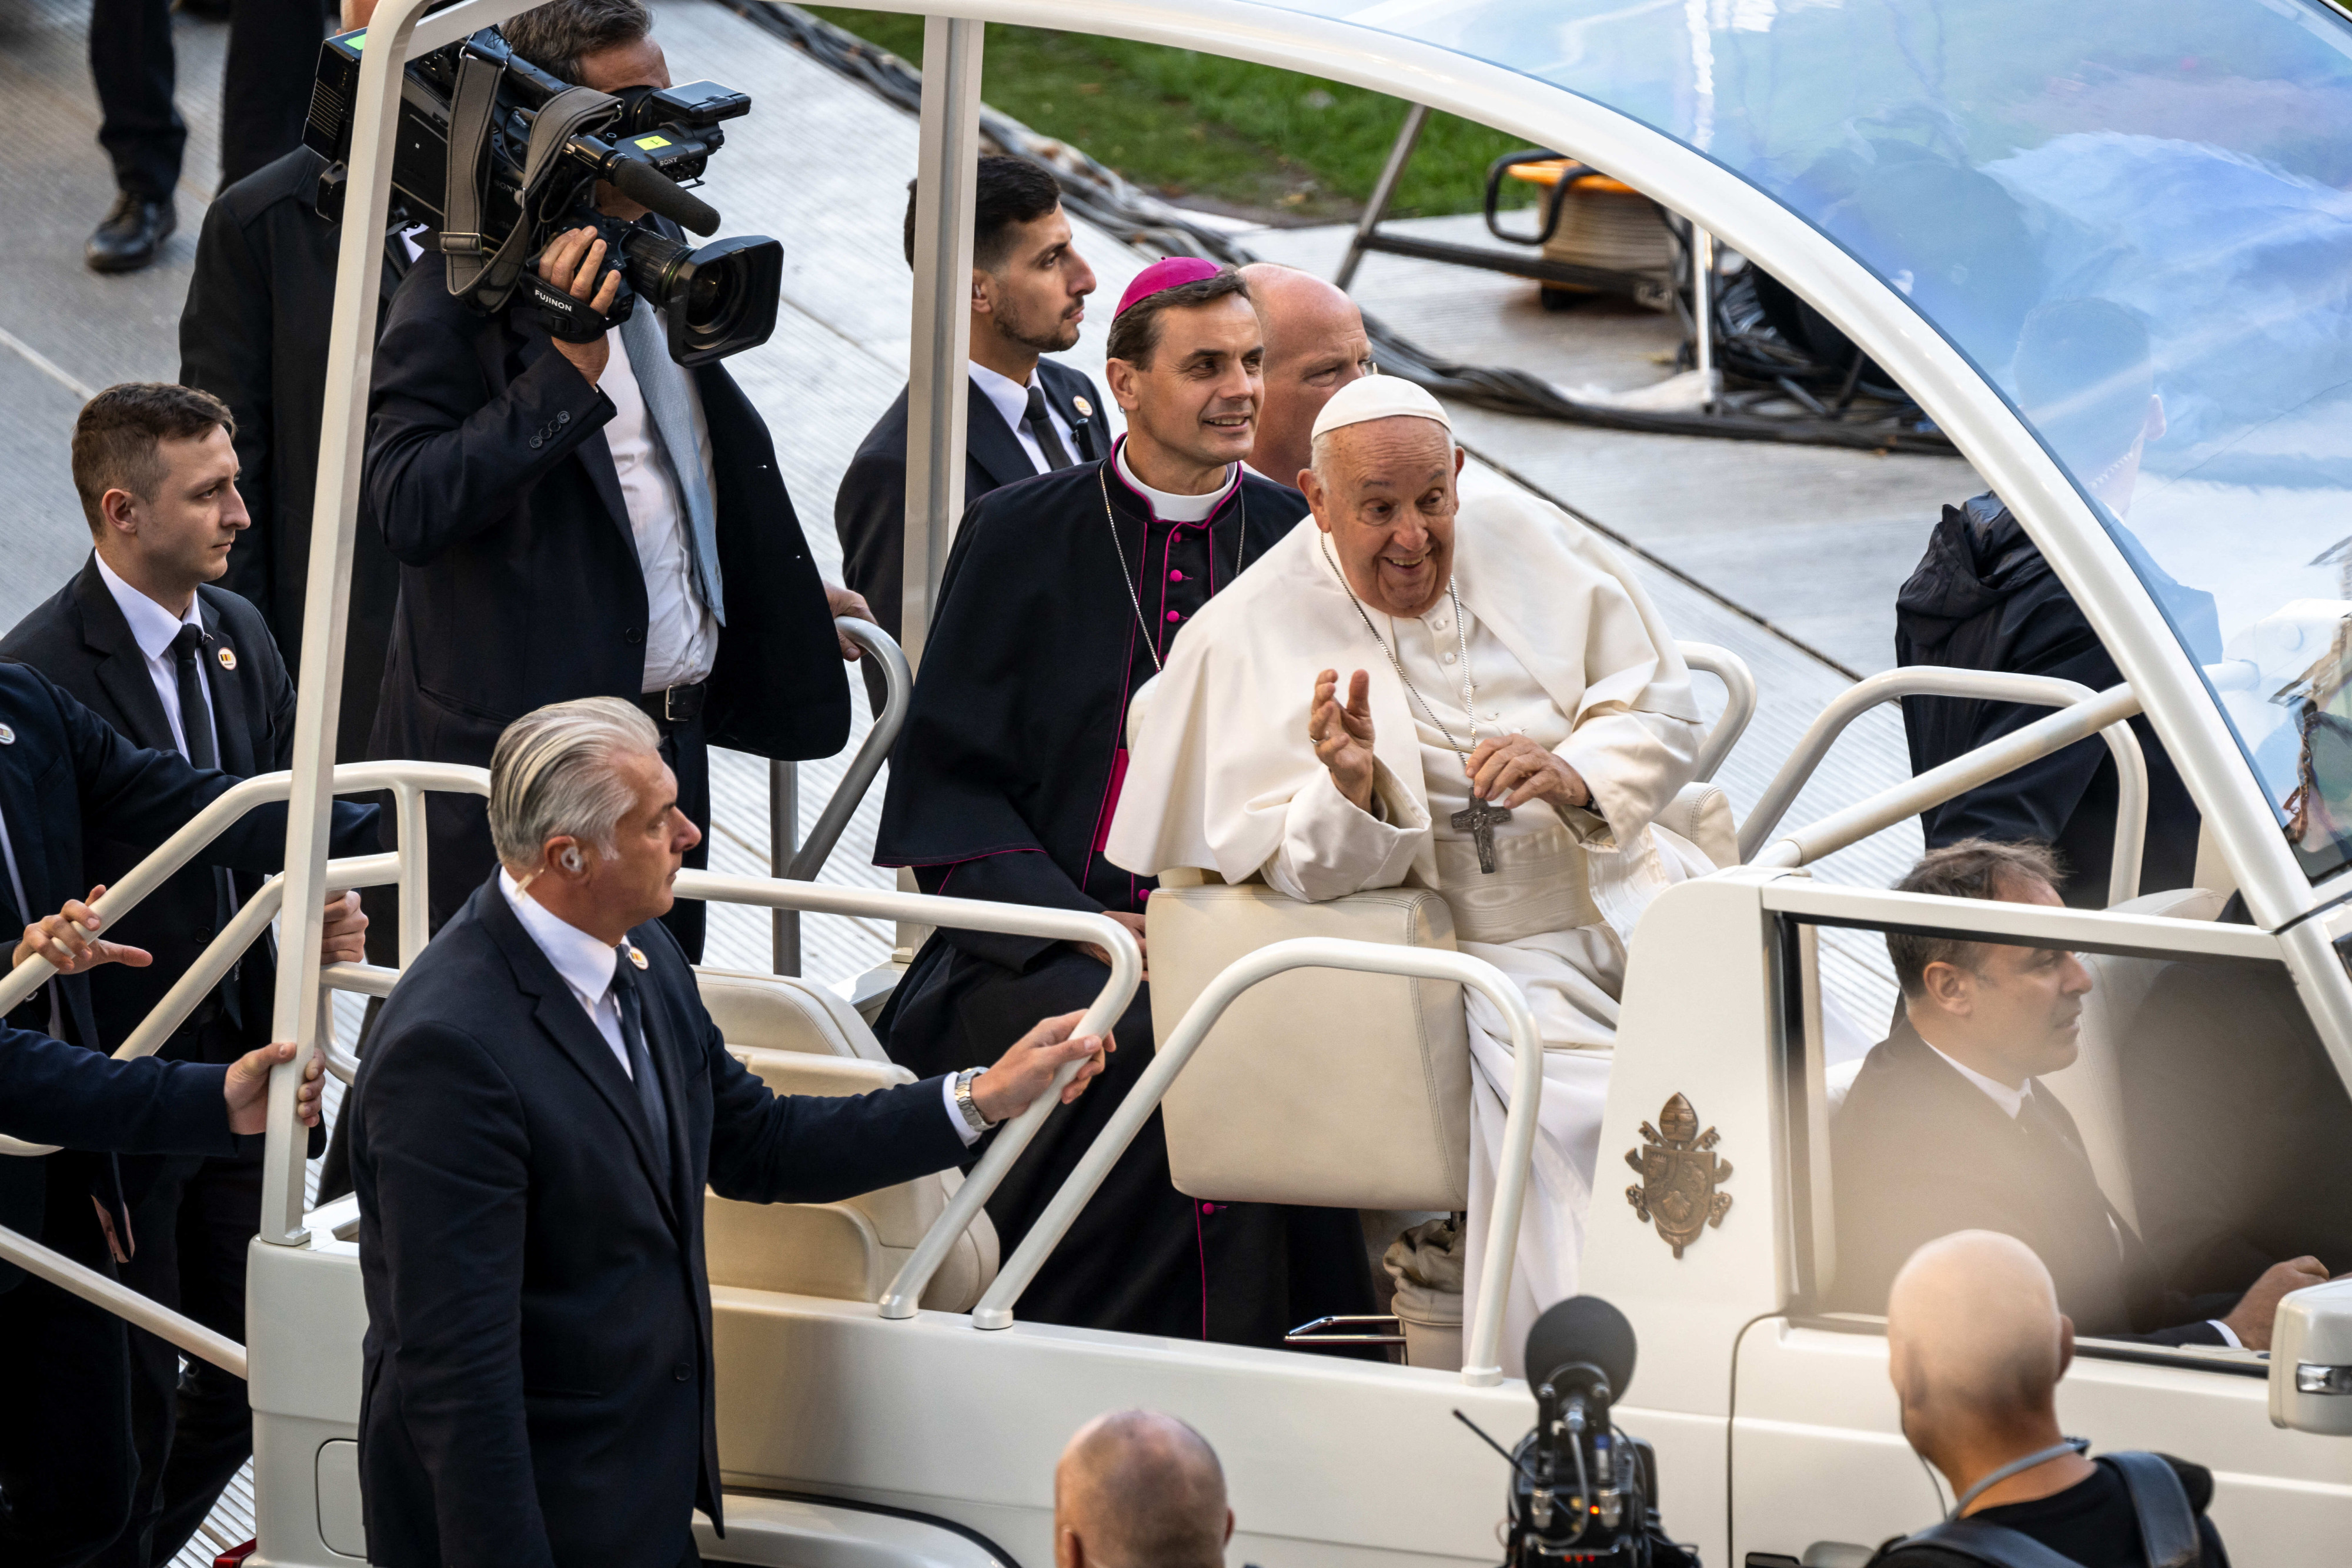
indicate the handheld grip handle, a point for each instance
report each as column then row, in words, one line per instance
column 648, row 186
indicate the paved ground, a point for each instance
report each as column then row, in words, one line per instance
column 1797, row 550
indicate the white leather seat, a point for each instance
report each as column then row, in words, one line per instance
column 800, row 1040
column 777, row 1012
column 1702, row 813
column 2092, row 1089
column 1319, row 1086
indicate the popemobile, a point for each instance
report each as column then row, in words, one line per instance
column 1924, row 177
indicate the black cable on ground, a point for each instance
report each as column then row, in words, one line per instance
column 1110, row 201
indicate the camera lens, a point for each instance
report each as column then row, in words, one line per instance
column 718, row 300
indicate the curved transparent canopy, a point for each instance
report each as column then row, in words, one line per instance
column 2135, row 219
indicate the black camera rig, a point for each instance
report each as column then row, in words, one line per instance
column 497, row 158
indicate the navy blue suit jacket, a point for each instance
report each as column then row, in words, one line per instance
column 52, row 1093
column 538, row 1386
column 65, row 774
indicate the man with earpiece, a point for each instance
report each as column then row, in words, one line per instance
column 532, row 1130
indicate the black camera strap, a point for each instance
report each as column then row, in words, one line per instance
column 488, row 278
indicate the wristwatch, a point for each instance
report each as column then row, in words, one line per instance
column 967, row 1104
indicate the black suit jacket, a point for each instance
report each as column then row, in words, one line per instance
column 519, row 586
column 254, row 334
column 538, row 1386
column 1918, row 1152
column 869, row 510
column 79, row 640
column 66, row 775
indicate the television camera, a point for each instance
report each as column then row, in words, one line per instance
column 497, row 158
column 1581, row 1490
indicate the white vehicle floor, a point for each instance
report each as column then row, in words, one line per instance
column 1774, row 552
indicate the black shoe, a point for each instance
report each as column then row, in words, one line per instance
column 133, row 231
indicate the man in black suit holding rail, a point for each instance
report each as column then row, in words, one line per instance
column 533, row 1127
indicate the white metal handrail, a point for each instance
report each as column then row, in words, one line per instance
column 969, row 914
column 1984, row 686
column 1482, row 1362
column 123, row 1301
column 1738, row 706
column 899, row 685
column 261, row 790
column 1937, row 785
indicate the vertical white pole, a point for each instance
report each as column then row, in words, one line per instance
column 351, row 355
column 1703, row 306
column 945, row 170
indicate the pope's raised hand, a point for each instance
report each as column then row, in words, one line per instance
column 1342, row 734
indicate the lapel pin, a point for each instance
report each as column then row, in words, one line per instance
column 1082, row 406
column 229, row 658
column 637, row 955
column 7, row 736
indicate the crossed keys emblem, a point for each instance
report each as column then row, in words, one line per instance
column 1680, row 1175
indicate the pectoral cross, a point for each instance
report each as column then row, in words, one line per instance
column 1478, row 820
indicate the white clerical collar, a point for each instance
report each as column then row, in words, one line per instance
column 584, row 961
column 1169, row 507
column 1011, row 397
column 2010, row 1101
column 153, row 627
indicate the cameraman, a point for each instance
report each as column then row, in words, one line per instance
column 585, row 520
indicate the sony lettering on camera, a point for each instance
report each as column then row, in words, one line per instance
column 496, row 156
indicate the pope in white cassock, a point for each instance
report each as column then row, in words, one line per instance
column 1514, row 717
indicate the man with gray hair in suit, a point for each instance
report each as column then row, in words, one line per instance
column 532, row 1131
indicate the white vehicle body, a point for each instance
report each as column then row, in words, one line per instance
column 1774, row 1425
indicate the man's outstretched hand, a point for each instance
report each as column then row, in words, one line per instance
column 67, row 939
column 1025, row 1072
column 246, row 1088
column 2251, row 1319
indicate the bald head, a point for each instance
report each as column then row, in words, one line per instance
column 1315, row 344
column 1138, row 1490
column 1975, row 1346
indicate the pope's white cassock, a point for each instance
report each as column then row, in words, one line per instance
column 1563, row 646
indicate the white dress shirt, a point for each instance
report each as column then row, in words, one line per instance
column 154, row 628
column 681, row 639
column 1012, row 400
column 586, row 964
column 2013, row 1103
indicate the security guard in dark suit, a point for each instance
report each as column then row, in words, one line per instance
column 144, row 648
column 1026, row 414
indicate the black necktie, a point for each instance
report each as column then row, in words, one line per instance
column 1041, row 428
column 203, row 750
column 640, row 1061
column 195, row 714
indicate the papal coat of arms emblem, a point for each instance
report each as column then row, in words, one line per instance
column 1680, row 1176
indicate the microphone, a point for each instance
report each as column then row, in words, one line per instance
column 1579, row 1358
column 649, row 187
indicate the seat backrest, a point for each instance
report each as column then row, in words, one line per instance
column 1702, row 813
column 2092, row 1089
column 1319, row 1086
column 777, row 1012
column 850, row 1249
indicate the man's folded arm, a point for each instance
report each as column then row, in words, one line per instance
column 447, row 1140
column 1633, row 762
column 1331, row 847
column 767, row 1147
column 52, row 1093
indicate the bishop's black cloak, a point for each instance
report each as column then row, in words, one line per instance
column 1001, row 787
